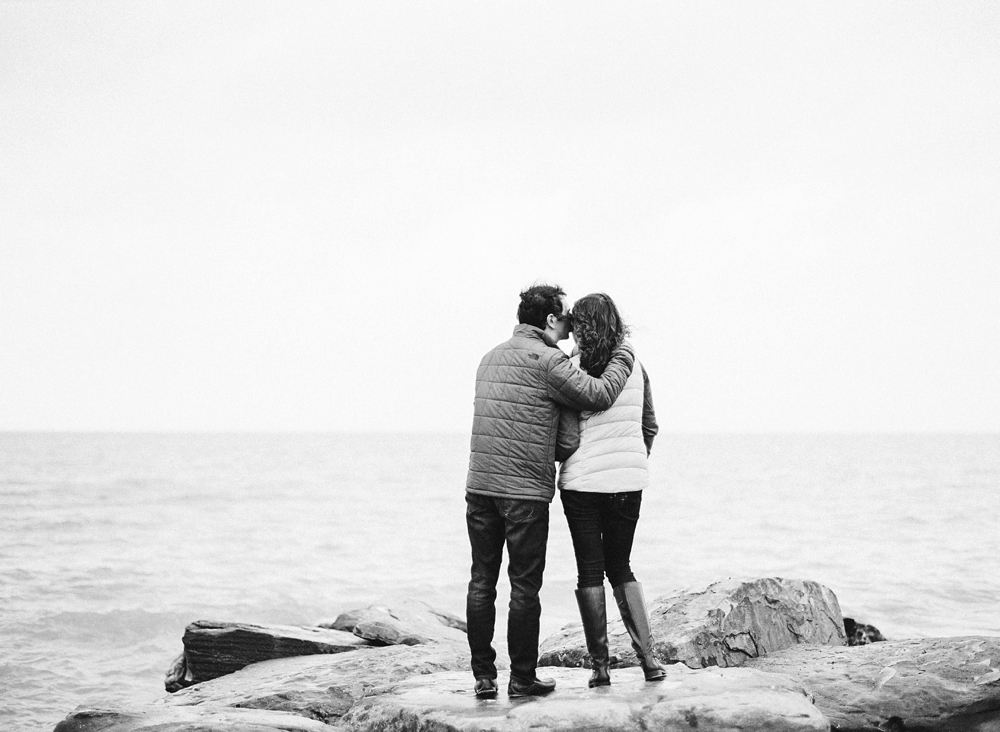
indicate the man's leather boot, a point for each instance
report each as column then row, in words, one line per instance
column 535, row 687
column 594, row 614
column 486, row 688
column 632, row 607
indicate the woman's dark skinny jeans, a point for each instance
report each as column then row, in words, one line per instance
column 602, row 526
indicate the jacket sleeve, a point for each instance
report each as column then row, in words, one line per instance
column 574, row 388
column 649, row 426
column 568, row 437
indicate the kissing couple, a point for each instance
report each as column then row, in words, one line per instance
column 593, row 414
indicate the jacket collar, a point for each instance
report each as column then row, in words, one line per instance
column 530, row 331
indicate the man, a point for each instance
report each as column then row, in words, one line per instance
column 520, row 386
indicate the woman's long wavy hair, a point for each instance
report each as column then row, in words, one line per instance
column 598, row 329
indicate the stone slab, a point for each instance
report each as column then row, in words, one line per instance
column 213, row 649
column 194, row 719
column 321, row 687
column 946, row 684
column 712, row 700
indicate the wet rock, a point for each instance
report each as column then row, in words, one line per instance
column 947, row 684
column 158, row 719
column 346, row 621
column 177, row 676
column 322, row 687
column 317, row 690
column 860, row 634
column 725, row 624
column 213, row 649
column 409, row 622
column 708, row 700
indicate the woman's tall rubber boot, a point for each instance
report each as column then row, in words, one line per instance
column 632, row 607
column 594, row 614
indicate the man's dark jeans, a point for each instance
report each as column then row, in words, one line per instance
column 524, row 527
column 602, row 526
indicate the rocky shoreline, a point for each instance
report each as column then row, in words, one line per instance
column 743, row 654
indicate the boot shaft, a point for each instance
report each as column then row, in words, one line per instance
column 593, row 613
column 632, row 606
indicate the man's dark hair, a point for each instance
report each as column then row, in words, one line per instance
column 538, row 302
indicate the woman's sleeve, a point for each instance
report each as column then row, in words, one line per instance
column 649, row 426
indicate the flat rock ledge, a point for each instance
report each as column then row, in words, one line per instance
column 187, row 720
column 322, row 687
column 711, row 701
column 724, row 624
column 315, row 689
column 350, row 694
column 948, row 684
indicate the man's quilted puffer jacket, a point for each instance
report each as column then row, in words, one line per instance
column 519, row 387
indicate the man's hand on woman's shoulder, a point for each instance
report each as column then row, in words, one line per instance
column 625, row 352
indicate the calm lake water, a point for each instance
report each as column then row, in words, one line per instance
column 111, row 544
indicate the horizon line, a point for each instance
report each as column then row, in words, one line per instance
column 429, row 432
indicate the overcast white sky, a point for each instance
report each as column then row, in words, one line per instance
column 318, row 216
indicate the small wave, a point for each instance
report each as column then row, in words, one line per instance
column 111, row 628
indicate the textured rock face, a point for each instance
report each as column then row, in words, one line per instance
column 321, row 687
column 709, row 701
column 725, row 624
column 387, row 689
column 186, row 720
column 946, row 684
column 177, row 676
column 931, row 683
column 215, row 649
column 409, row 622
column 309, row 691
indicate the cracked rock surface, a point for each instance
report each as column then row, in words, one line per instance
column 946, row 684
column 926, row 683
column 301, row 693
column 724, row 624
column 710, row 700
column 321, row 687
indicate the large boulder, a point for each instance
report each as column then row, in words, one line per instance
column 407, row 622
column 725, row 624
column 213, row 649
column 927, row 684
column 713, row 700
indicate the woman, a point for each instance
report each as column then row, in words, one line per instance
column 601, row 486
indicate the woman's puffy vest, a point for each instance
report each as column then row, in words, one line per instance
column 612, row 454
